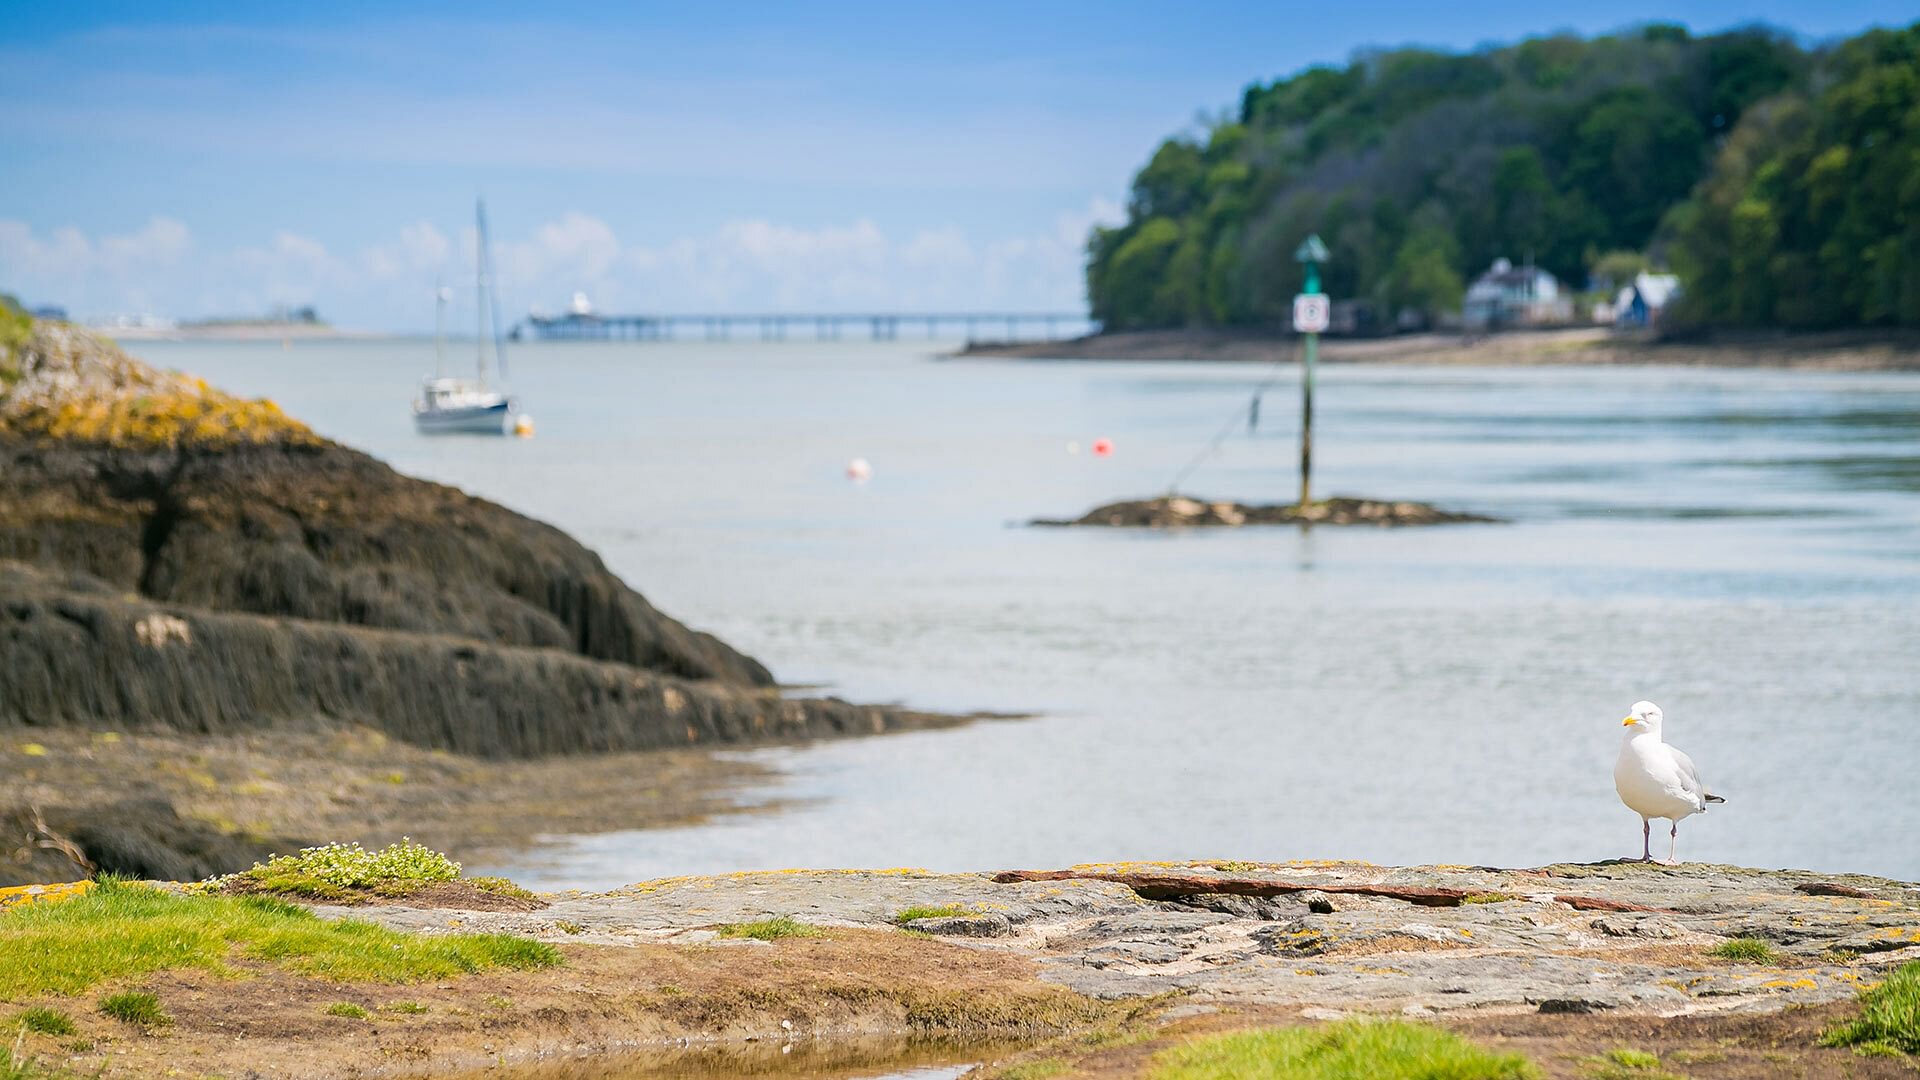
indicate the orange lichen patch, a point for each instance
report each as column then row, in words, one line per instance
column 1802, row 983
column 74, row 386
column 19, row 895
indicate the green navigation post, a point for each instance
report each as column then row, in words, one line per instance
column 1311, row 314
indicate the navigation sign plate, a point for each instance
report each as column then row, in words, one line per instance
column 1312, row 313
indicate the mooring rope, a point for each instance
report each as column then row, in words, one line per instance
column 1251, row 411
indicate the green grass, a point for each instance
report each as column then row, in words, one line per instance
column 135, row 1007
column 1625, row 1063
column 1378, row 1050
column 773, row 929
column 409, row 1008
column 1745, row 950
column 15, row 326
column 1485, row 898
column 44, row 1021
column 1889, row 1020
column 347, row 1009
column 337, row 871
column 121, row 929
column 944, row 911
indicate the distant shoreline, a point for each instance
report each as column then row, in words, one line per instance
column 1837, row 350
column 227, row 332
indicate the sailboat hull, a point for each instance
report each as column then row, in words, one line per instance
column 465, row 420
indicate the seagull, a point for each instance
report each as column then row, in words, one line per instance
column 1655, row 780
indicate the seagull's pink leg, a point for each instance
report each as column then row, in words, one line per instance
column 1646, row 839
column 1676, row 842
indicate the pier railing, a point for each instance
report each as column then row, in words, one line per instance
column 976, row 326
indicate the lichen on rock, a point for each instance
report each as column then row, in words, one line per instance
column 65, row 383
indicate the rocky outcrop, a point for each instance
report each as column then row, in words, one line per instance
column 1585, row 938
column 76, row 652
column 171, row 556
column 1179, row 511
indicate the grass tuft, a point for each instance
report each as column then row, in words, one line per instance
column 500, row 886
column 773, row 929
column 408, row 1008
column 922, row 911
column 1624, row 1063
column 1746, row 950
column 348, row 1009
column 1889, row 1020
column 337, row 871
column 44, row 1021
column 1379, row 1050
column 121, row 929
column 135, row 1007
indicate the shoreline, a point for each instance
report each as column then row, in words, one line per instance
column 1080, row 964
column 1838, row 350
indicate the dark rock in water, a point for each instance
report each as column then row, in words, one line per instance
column 1178, row 511
column 79, row 658
column 329, row 534
column 173, row 557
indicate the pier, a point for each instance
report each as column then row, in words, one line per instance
column 1006, row 326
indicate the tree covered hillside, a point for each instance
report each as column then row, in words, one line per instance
column 1783, row 183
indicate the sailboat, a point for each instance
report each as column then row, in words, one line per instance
column 450, row 404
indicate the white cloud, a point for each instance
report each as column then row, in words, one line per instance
column 740, row 266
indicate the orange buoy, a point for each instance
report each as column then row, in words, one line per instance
column 1103, row 448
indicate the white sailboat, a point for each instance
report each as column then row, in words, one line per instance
column 449, row 404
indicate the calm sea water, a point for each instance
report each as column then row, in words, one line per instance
column 1742, row 547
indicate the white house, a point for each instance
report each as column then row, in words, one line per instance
column 1641, row 303
column 1509, row 295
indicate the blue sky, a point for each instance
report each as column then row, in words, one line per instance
column 195, row 159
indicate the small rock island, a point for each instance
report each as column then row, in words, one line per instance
column 1180, row 511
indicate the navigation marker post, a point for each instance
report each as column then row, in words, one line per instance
column 1311, row 314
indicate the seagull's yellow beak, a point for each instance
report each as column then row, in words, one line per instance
column 1629, row 722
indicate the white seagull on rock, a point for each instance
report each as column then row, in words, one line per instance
column 1655, row 780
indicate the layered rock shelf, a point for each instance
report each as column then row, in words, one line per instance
column 1570, row 938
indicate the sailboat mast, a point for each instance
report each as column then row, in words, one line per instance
column 480, row 291
column 439, row 329
column 493, row 301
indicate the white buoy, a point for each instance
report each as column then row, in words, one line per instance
column 1073, row 446
column 859, row 471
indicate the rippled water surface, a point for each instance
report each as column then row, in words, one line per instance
column 1742, row 547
